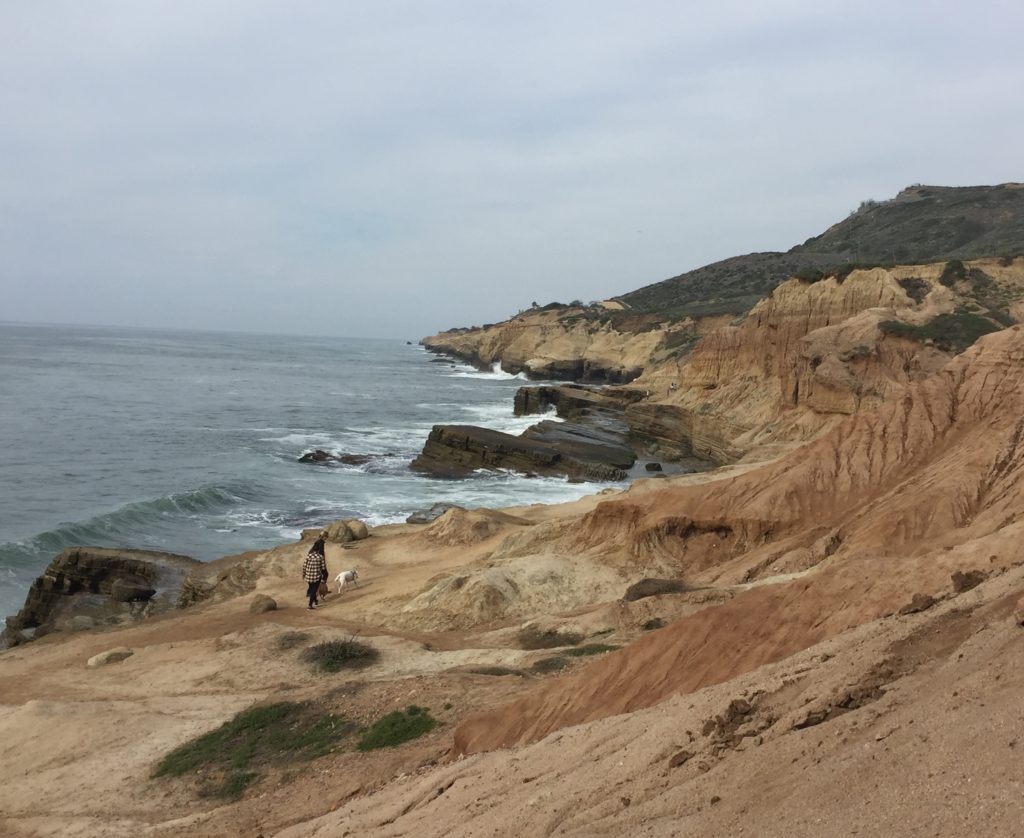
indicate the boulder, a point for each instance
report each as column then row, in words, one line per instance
column 1018, row 612
column 86, row 586
column 318, row 456
column 965, row 581
column 652, row 467
column 321, row 456
column 358, row 529
column 919, row 602
column 338, row 532
column 431, row 514
column 110, row 656
column 261, row 603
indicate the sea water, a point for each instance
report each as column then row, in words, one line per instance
column 188, row 442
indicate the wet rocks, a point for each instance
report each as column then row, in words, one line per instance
column 548, row 448
column 326, row 457
column 432, row 513
column 572, row 400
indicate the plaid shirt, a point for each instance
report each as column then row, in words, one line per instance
column 314, row 568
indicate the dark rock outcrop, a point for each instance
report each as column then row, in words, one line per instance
column 571, row 400
column 965, row 581
column 321, row 456
column 548, row 448
column 427, row 516
column 653, row 587
column 918, row 603
column 87, row 586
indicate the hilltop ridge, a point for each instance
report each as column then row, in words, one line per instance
column 920, row 224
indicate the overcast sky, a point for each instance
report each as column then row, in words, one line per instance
column 390, row 169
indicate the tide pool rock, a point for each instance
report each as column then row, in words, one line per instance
column 110, row 656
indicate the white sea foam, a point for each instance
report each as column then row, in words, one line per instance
column 499, row 417
column 496, row 373
column 318, row 438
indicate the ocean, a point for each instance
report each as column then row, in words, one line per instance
column 188, row 442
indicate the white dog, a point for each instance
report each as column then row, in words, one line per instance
column 346, row 577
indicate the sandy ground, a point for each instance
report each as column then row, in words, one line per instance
column 786, row 694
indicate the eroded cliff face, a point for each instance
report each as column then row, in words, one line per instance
column 558, row 344
column 752, row 388
column 890, row 502
column 803, row 358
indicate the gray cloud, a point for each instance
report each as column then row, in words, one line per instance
column 394, row 168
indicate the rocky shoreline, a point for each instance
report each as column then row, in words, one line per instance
column 596, row 439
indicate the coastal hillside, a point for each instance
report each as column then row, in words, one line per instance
column 809, row 353
column 783, row 643
column 921, row 224
column 641, row 659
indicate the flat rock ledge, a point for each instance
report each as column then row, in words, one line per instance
column 548, row 449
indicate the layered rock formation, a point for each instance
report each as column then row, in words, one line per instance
column 580, row 452
column 563, row 343
column 88, row 586
column 888, row 503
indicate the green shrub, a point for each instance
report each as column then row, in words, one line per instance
column 953, row 272
column 590, row 649
column 396, row 728
column 950, row 332
column 653, row 623
column 335, row 655
column 532, row 637
column 267, row 733
column 915, row 287
column 495, row 670
column 555, row 664
column 291, row 639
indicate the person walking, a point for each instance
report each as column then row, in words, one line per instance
column 314, row 570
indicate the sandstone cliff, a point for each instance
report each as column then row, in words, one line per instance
column 802, row 358
column 889, row 502
column 564, row 343
column 85, row 587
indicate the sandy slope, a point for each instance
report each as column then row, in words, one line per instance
column 804, row 704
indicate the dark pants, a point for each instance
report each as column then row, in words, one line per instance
column 311, row 590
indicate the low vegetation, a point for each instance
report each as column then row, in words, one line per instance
column 919, row 226
column 292, row 640
column 533, row 637
column 495, row 670
column 589, row 649
column 396, row 728
column 273, row 734
column 555, row 664
column 335, row 655
column 950, row 332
